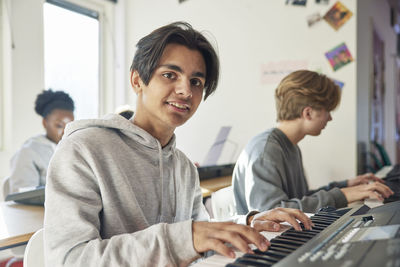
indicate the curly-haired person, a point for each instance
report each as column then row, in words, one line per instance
column 29, row 164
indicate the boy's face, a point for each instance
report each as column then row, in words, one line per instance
column 319, row 119
column 174, row 92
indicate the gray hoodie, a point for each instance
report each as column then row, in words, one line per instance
column 115, row 197
column 30, row 162
column 269, row 173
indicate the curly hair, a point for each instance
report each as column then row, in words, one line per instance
column 304, row 88
column 48, row 100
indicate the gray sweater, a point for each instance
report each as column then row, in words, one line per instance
column 30, row 162
column 114, row 197
column 269, row 173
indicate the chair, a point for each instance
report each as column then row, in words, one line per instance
column 382, row 152
column 222, row 204
column 375, row 165
column 34, row 252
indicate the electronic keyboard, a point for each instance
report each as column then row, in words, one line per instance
column 347, row 237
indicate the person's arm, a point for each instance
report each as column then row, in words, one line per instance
column 73, row 226
column 358, row 180
column 265, row 190
column 328, row 187
column 24, row 171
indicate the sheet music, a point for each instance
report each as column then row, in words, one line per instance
column 216, row 149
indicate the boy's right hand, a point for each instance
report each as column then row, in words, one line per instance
column 375, row 190
column 213, row 235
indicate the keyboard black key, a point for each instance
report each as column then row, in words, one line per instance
column 321, row 221
column 325, row 223
column 322, row 217
column 264, row 257
column 273, row 253
column 277, row 245
column 277, row 249
column 299, row 234
column 331, row 215
column 313, row 231
column 286, row 241
column 237, row 264
column 254, row 262
column 294, row 238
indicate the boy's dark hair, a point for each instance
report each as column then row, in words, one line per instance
column 151, row 47
column 304, row 88
column 49, row 100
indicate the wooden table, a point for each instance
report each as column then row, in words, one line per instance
column 213, row 184
column 18, row 223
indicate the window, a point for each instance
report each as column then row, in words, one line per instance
column 71, row 51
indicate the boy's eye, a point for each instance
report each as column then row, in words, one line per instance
column 168, row 75
column 196, row 82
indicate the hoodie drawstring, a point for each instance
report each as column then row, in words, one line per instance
column 161, row 166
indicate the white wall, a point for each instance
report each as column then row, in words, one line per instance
column 374, row 14
column 250, row 34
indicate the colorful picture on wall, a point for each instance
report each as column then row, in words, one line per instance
column 313, row 18
column 339, row 56
column 296, row 2
column 338, row 83
column 337, row 15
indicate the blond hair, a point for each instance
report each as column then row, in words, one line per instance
column 304, row 88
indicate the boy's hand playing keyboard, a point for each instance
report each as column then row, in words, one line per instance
column 270, row 220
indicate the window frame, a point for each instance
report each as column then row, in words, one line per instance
column 1, row 74
column 105, row 11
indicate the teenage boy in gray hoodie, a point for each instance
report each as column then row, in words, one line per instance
column 120, row 193
column 269, row 172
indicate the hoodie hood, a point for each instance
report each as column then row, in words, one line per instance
column 136, row 134
column 115, row 121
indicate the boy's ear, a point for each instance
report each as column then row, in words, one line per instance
column 136, row 81
column 306, row 114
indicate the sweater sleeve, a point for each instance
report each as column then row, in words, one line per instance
column 330, row 186
column 73, row 226
column 264, row 190
column 24, row 172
